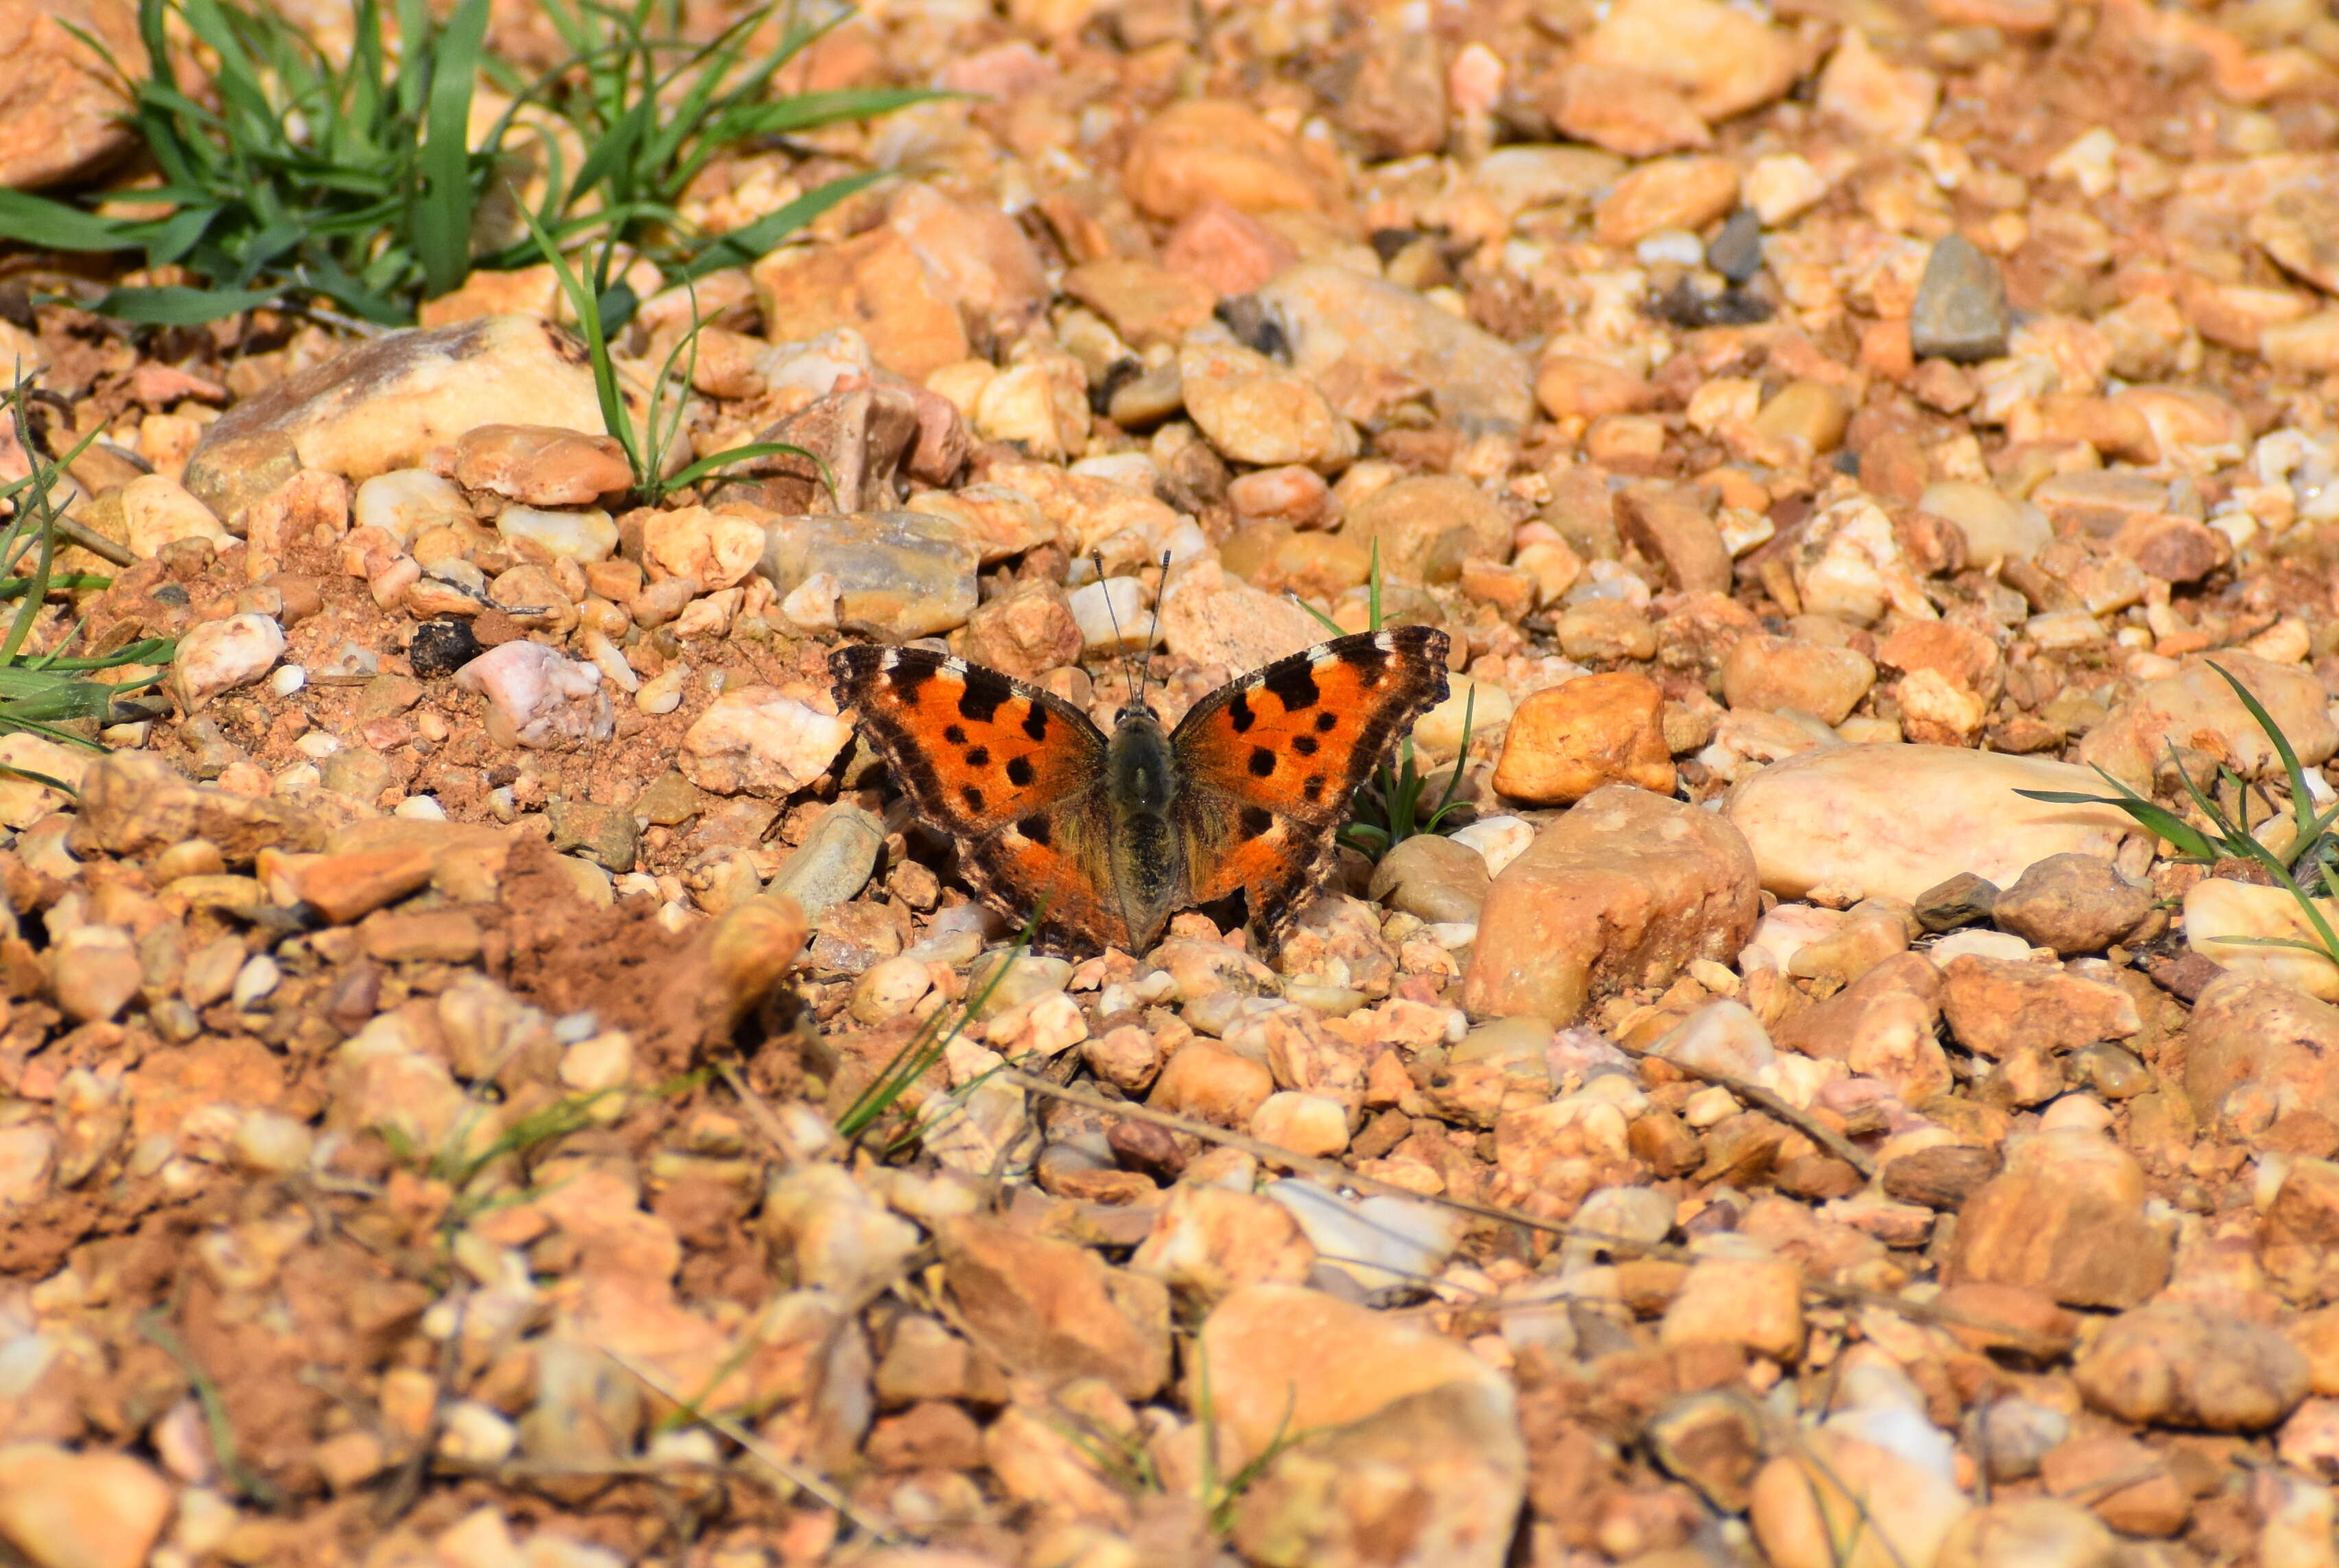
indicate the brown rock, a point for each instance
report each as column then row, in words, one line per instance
column 67, row 1510
column 1634, row 113
column 134, row 805
column 2255, row 1051
column 1395, row 103
column 876, row 283
column 1995, row 1006
column 2128, row 1486
column 1207, row 1241
column 2039, row 1531
column 347, row 887
column 1205, row 1080
column 2298, row 1241
column 1024, row 632
column 1766, row 673
column 1724, row 60
column 1669, row 527
column 1567, row 741
column 2067, row 1217
column 1225, row 250
column 540, row 465
column 2015, row 1318
column 1624, row 890
column 1055, row 1310
column 1882, row 1025
column 1668, row 193
column 1942, row 1176
column 1427, row 526
column 2074, row 904
column 2179, row 1364
column 1145, row 303
column 1207, row 149
column 1379, row 1407
column 62, row 112
column 387, row 402
column 426, row 936
column 1574, row 386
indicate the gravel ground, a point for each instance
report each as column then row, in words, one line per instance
column 494, row 1073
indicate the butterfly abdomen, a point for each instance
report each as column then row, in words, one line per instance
column 1146, row 857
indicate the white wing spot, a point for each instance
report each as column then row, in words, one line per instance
column 1322, row 654
column 956, row 667
column 1012, row 837
column 891, row 660
column 1386, row 642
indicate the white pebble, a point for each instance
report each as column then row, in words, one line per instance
column 288, row 680
column 255, row 980
column 581, row 536
column 1671, row 247
column 662, row 693
column 421, row 808
column 610, row 662
column 408, row 502
column 537, row 698
column 1126, row 624
column 317, row 745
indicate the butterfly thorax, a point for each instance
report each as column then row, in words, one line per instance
column 1139, row 780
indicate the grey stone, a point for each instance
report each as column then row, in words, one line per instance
column 1961, row 311
column 1964, row 899
column 899, row 574
column 1736, row 252
column 1432, row 879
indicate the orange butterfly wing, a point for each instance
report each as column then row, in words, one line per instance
column 1266, row 765
column 1014, row 775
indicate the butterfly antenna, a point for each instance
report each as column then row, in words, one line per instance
column 1153, row 633
column 1113, row 615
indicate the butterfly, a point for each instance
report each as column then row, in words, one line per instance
column 1103, row 838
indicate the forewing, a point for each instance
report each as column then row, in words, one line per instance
column 1014, row 774
column 1266, row 765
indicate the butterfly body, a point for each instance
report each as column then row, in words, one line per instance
column 1104, row 838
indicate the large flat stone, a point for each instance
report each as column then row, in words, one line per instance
column 1623, row 891
column 1898, row 819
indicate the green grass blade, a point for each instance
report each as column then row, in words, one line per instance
column 442, row 218
column 2188, row 839
column 47, row 225
column 744, row 245
column 179, row 305
column 706, row 466
column 615, row 416
column 2302, row 803
column 1446, row 802
column 808, row 110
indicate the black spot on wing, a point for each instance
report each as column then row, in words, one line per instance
column 972, row 796
column 1326, row 721
column 1034, row 828
column 986, row 691
column 977, row 757
column 1314, row 787
column 909, row 674
column 1294, row 684
column 1018, row 770
column 1262, row 762
column 954, row 734
column 1304, row 745
column 1238, row 712
column 1255, row 820
column 1035, row 722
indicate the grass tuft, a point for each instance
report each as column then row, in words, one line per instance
column 924, row 1049
column 42, row 693
column 2305, row 863
column 300, row 177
